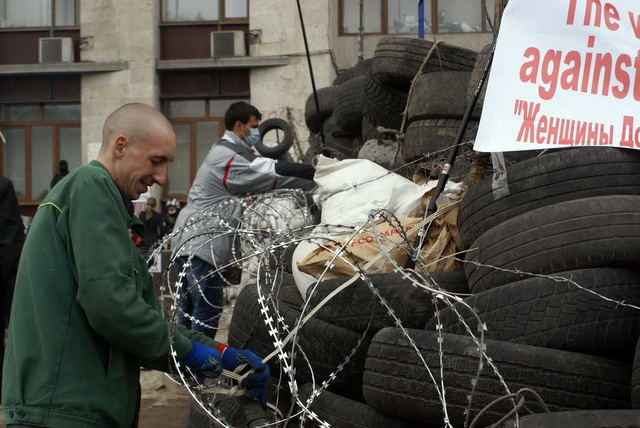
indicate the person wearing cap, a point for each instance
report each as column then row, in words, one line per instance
column 85, row 315
column 231, row 169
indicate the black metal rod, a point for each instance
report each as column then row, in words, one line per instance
column 313, row 80
column 446, row 169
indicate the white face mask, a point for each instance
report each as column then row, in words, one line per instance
column 254, row 136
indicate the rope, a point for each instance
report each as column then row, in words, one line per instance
column 405, row 114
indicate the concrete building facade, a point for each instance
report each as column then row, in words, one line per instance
column 158, row 52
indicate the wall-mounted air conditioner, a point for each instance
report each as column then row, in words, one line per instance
column 227, row 43
column 56, row 49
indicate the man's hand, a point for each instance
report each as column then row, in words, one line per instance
column 256, row 382
column 205, row 361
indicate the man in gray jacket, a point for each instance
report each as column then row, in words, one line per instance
column 231, row 169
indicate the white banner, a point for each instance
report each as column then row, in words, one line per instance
column 565, row 73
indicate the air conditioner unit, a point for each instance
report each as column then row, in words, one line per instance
column 227, row 43
column 56, row 49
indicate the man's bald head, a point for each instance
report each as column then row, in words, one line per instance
column 138, row 142
column 134, row 121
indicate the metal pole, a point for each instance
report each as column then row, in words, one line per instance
column 421, row 19
column 53, row 17
column 361, row 33
column 446, row 169
column 313, row 80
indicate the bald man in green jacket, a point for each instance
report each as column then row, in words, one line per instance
column 85, row 316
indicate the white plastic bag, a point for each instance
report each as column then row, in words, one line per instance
column 350, row 189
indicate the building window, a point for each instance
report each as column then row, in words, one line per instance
column 36, row 138
column 37, row 13
column 371, row 14
column 204, row 10
column 401, row 16
column 198, row 124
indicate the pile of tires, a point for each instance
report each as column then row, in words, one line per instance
column 552, row 268
column 375, row 93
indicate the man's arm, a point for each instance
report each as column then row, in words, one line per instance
column 101, row 250
column 254, row 174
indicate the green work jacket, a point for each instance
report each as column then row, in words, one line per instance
column 85, row 315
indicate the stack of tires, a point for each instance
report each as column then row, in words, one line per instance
column 552, row 266
column 375, row 93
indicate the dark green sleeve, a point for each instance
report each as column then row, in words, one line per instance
column 108, row 281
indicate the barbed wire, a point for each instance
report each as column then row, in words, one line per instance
column 265, row 229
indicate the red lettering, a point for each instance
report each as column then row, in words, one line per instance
column 542, row 130
column 603, row 63
column 590, row 8
column 529, row 70
column 611, row 17
column 572, row 12
column 527, row 130
column 622, row 76
column 549, row 73
column 635, row 24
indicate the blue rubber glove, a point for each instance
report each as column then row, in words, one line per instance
column 256, row 382
column 205, row 361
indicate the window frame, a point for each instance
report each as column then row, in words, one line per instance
column 193, row 144
column 384, row 27
column 57, row 27
column 28, row 198
column 222, row 19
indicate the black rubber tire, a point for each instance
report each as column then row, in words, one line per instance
column 284, row 143
column 551, row 314
column 338, row 143
column 369, row 132
column 356, row 305
column 325, row 345
column 440, row 95
column 198, row 418
column 396, row 382
column 341, row 412
column 331, row 129
column 578, row 419
column 347, row 109
column 362, row 68
column 584, row 233
column 635, row 378
column 558, row 176
column 433, row 137
column 397, row 60
column 476, row 73
column 326, row 99
column 284, row 289
column 383, row 105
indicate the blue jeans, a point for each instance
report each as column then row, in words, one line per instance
column 201, row 299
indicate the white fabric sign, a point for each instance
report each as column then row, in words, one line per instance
column 565, row 73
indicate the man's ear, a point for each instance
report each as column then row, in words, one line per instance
column 119, row 145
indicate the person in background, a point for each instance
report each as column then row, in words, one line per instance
column 231, row 169
column 63, row 170
column 11, row 241
column 152, row 221
column 85, row 315
column 169, row 219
